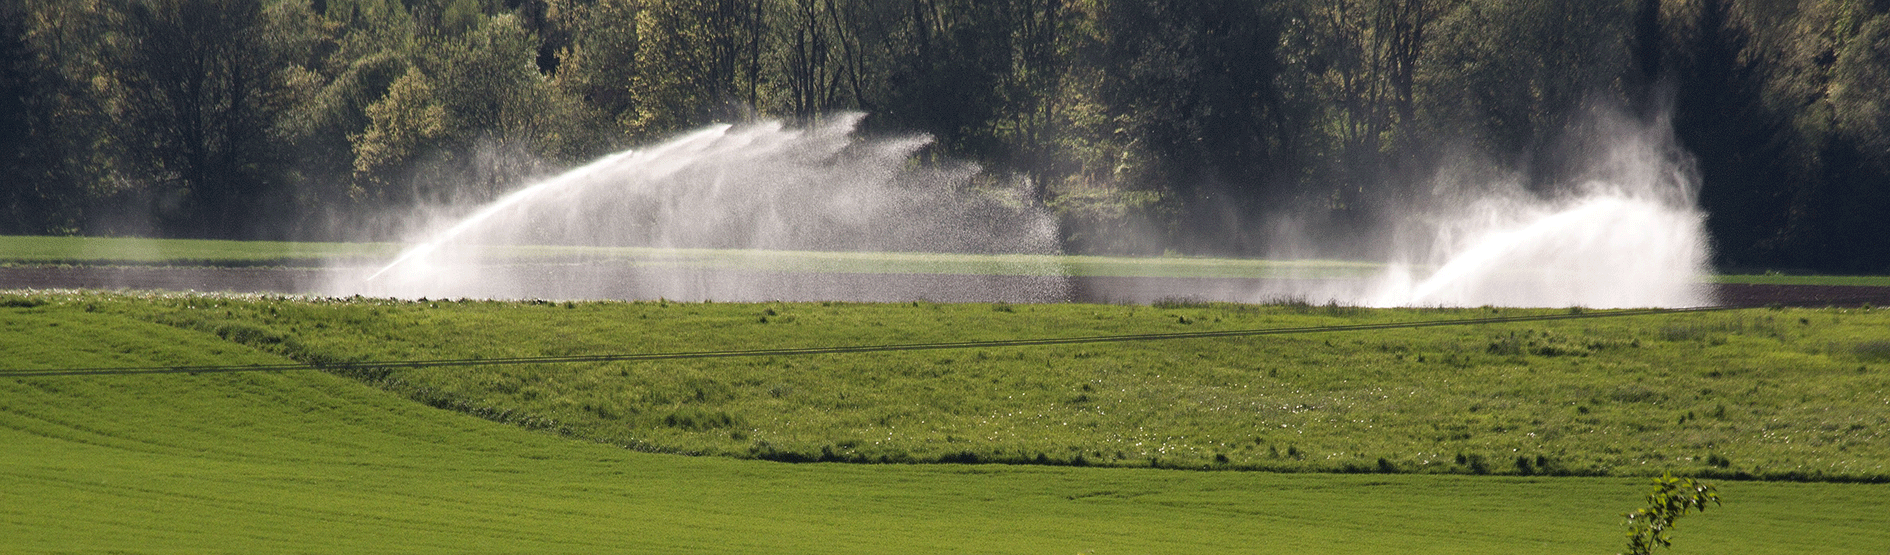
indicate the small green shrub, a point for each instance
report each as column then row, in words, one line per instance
column 1671, row 499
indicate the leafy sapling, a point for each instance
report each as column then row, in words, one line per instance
column 1671, row 498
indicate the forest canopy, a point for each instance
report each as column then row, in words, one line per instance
column 1144, row 125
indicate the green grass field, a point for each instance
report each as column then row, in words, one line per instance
column 190, row 252
column 310, row 462
column 1796, row 394
column 1487, row 438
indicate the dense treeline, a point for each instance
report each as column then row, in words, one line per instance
column 1145, row 124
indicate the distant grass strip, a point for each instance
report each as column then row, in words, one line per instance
column 1768, row 279
column 192, row 252
column 196, row 252
column 182, row 252
column 836, row 350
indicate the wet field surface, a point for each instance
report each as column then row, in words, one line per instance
column 558, row 282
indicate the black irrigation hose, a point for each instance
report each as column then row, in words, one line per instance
column 127, row 370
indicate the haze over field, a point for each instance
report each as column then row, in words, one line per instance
column 763, row 186
column 1627, row 235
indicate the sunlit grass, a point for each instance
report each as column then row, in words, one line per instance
column 1800, row 394
column 310, row 462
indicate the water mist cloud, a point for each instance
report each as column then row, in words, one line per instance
column 1625, row 232
column 1622, row 230
column 759, row 187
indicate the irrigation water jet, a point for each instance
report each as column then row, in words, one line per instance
column 699, row 217
column 1625, row 234
column 713, row 214
column 1607, row 250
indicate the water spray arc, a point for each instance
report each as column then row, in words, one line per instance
column 579, row 176
column 1603, row 251
column 1628, row 234
column 750, row 189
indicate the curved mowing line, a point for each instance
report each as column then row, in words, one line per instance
column 801, row 351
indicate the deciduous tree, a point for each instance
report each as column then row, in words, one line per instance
column 193, row 78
